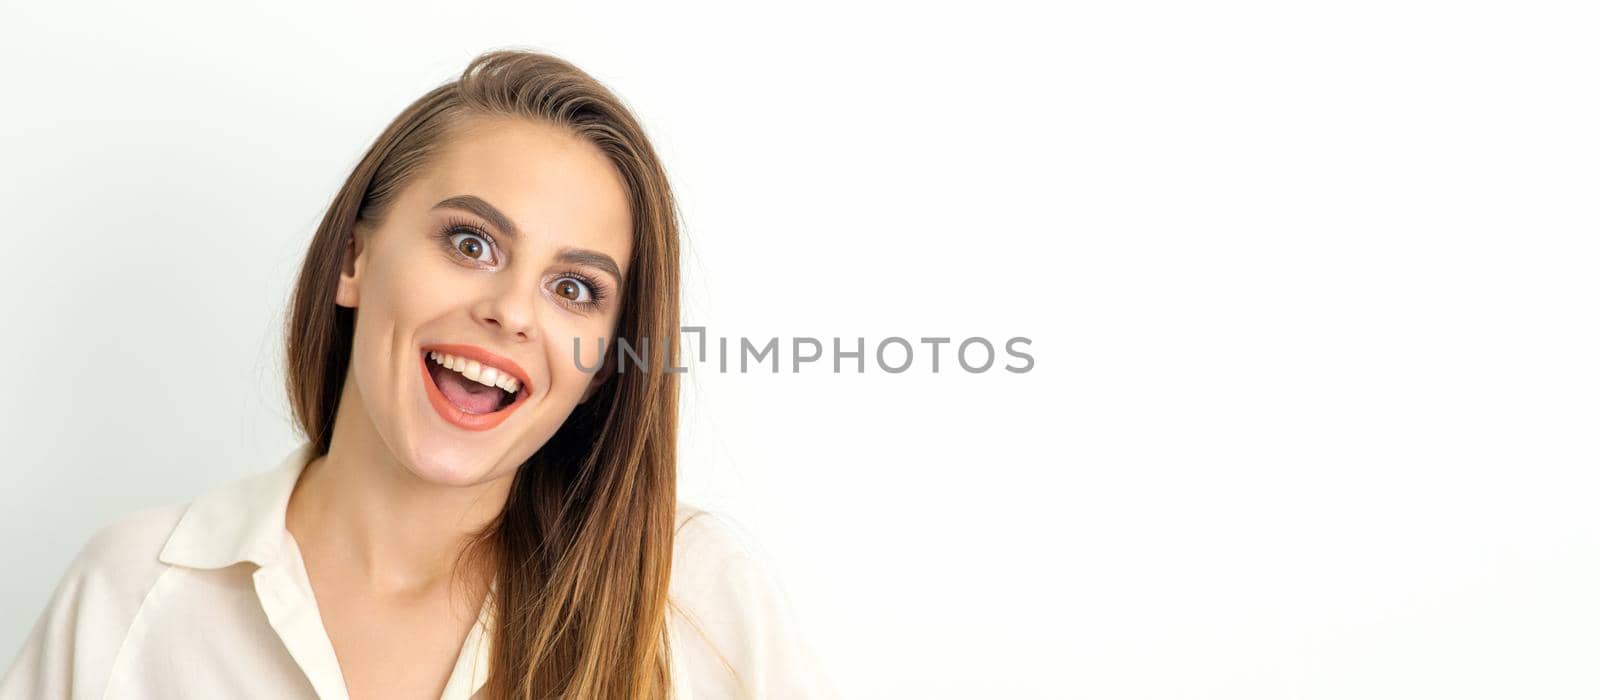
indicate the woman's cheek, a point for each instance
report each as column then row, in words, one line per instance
column 580, row 354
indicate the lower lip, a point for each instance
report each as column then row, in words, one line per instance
column 458, row 417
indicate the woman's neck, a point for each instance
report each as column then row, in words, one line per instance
column 396, row 534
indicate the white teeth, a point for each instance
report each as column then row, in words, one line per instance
column 478, row 372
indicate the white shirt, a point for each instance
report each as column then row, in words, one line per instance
column 212, row 600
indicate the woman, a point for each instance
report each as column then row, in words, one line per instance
column 476, row 511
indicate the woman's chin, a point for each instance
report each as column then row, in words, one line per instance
column 450, row 465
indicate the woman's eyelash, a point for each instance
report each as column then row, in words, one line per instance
column 598, row 292
column 455, row 226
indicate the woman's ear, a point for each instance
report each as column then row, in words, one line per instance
column 349, row 292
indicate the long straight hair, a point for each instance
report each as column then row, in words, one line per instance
column 582, row 549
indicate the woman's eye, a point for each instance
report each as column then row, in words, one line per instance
column 471, row 245
column 573, row 290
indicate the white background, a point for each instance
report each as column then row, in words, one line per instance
column 1311, row 290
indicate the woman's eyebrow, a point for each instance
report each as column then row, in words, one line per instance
column 592, row 258
column 484, row 209
column 575, row 256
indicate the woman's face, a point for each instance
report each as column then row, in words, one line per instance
column 513, row 242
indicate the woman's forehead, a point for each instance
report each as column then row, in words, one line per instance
column 545, row 184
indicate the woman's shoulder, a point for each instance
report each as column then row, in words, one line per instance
column 118, row 563
column 713, row 553
column 92, row 607
column 735, row 634
column 126, row 550
column 702, row 536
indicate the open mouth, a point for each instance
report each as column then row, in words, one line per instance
column 469, row 393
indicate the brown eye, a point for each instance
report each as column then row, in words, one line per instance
column 470, row 245
column 573, row 290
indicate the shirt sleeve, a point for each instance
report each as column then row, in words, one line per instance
column 70, row 650
column 43, row 668
column 737, row 635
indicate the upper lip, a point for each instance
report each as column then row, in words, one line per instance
column 483, row 357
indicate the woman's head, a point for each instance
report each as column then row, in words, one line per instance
column 514, row 240
column 499, row 218
column 503, row 211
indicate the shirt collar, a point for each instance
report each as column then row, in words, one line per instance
column 241, row 521
column 246, row 521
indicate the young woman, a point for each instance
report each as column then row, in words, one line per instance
column 476, row 510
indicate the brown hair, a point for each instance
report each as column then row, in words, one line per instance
column 582, row 550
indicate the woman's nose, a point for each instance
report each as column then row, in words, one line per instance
column 510, row 310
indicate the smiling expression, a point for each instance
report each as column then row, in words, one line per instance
column 514, row 240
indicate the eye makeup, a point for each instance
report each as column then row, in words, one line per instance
column 454, row 227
